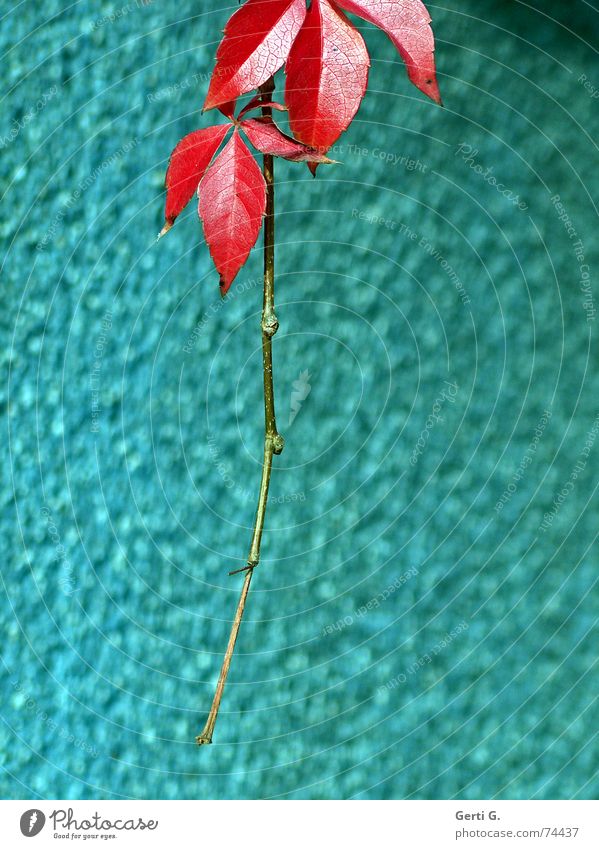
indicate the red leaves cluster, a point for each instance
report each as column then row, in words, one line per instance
column 326, row 64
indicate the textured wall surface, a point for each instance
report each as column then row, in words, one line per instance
column 424, row 624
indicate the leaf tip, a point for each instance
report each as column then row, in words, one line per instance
column 224, row 287
column 432, row 90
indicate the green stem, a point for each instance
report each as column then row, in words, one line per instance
column 273, row 441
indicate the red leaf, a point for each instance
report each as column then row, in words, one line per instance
column 407, row 23
column 256, row 44
column 189, row 161
column 327, row 75
column 232, row 205
column 267, row 138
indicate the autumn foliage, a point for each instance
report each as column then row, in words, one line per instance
column 326, row 65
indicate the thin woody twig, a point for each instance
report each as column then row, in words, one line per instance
column 273, row 441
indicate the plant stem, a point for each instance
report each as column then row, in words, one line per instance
column 273, row 441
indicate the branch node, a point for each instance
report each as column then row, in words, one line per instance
column 278, row 444
column 245, row 568
column 270, row 324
